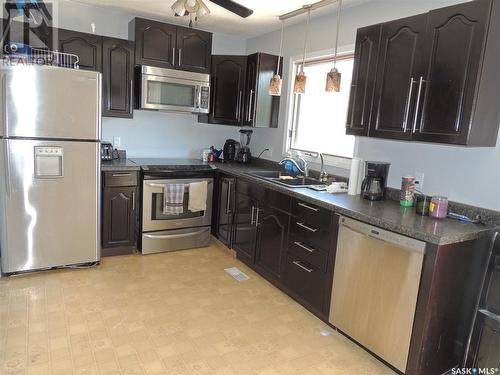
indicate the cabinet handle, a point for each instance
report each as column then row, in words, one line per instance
column 240, row 99
column 257, row 216
column 253, row 214
column 308, row 207
column 173, row 56
column 300, row 265
column 314, row 230
column 417, row 106
column 300, row 244
column 250, row 101
column 228, row 203
column 121, row 174
column 131, row 95
column 180, row 57
column 133, row 201
column 408, row 104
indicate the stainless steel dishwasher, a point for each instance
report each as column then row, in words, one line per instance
column 375, row 288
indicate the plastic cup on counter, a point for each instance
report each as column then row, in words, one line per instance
column 438, row 208
column 423, row 204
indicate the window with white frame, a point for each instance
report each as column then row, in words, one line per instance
column 319, row 117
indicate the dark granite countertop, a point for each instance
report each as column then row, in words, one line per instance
column 385, row 214
column 119, row 165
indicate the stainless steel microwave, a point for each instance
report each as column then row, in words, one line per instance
column 174, row 90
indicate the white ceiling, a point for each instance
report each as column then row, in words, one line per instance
column 263, row 20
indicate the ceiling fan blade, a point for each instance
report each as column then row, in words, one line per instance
column 236, row 8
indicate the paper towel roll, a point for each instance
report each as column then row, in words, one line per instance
column 355, row 176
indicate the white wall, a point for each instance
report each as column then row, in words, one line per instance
column 150, row 133
column 467, row 175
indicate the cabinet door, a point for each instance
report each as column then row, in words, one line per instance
column 228, row 85
column 118, row 227
column 154, row 43
column 194, row 50
column 251, row 86
column 397, row 77
column 363, row 80
column 272, row 241
column 455, row 41
column 117, row 78
column 244, row 228
column 226, row 210
column 87, row 47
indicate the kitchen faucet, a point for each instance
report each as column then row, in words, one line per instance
column 323, row 176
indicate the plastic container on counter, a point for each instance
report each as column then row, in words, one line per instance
column 423, row 204
column 438, row 207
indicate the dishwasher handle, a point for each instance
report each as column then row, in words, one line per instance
column 383, row 235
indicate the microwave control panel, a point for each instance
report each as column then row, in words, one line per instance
column 205, row 97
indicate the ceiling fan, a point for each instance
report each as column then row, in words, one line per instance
column 199, row 8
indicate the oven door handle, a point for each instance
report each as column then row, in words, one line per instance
column 169, row 236
column 163, row 185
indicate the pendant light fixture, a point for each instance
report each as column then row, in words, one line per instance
column 333, row 77
column 300, row 79
column 276, row 81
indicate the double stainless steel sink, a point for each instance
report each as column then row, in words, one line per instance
column 277, row 177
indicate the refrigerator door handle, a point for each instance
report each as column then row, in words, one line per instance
column 3, row 129
column 7, row 168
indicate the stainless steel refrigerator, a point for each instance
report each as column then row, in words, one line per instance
column 50, row 167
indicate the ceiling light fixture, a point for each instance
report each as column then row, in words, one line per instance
column 192, row 8
column 301, row 79
column 276, row 81
column 333, row 77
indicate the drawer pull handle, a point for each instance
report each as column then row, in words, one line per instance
column 308, row 207
column 314, row 230
column 121, row 174
column 300, row 244
column 298, row 264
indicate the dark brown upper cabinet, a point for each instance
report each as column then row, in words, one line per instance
column 363, row 80
column 261, row 110
column 398, row 67
column 88, row 48
column 227, row 91
column 456, row 41
column 194, row 50
column 169, row 46
column 155, row 42
column 117, row 77
column 437, row 77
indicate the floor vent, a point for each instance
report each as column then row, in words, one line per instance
column 237, row 274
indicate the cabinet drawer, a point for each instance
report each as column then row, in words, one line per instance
column 310, row 213
column 120, row 178
column 493, row 296
column 311, row 234
column 315, row 257
column 305, row 280
column 266, row 197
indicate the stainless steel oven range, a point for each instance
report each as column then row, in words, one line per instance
column 162, row 231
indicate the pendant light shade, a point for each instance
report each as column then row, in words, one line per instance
column 276, row 81
column 301, row 79
column 333, row 77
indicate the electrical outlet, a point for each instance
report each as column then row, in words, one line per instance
column 117, row 142
column 419, row 180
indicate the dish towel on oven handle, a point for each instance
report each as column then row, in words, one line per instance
column 198, row 192
column 173, row 199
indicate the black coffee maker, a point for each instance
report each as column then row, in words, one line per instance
column 230, row 150
column 375, row 182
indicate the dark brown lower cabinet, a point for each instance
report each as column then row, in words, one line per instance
column 245, row 231
column 225, row 213
column 272, row 240
column 119, row 214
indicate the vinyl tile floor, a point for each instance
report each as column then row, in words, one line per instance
column 170, row 313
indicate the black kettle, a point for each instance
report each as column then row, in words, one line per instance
column 229, row 152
